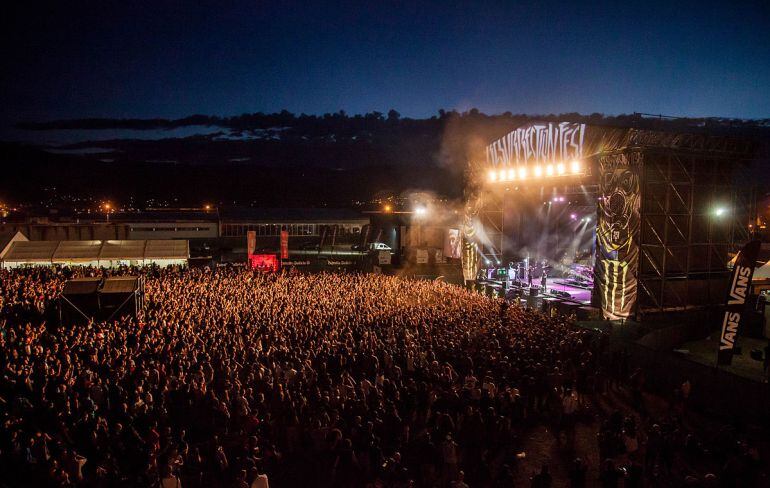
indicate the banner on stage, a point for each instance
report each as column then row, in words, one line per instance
column 422, row 256
column 284, row 244
column 737, row 293
column 383, row 257
column 617, row 234
column 251, row 241
column 453, row 244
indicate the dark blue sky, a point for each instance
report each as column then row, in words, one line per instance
column 175, row 58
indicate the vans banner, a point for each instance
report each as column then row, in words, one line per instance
column 737, row 293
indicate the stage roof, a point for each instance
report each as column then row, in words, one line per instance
column 90, row 251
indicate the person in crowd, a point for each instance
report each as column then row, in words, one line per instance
column 231, row 377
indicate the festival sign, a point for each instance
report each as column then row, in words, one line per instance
column 737, row 293
column 545, row 142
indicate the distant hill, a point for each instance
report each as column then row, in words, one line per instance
column 282, row 158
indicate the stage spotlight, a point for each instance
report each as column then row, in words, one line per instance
column 573, row 216
column 511, row 174
column 387, row 208
column 575, row 166
column 486, row 261
column 560, row 169
column 538, row 171
column 502, row 174
column 549, row 170
column 493, row 176
column 522, row 172
column 420, row 211
column 720, row 211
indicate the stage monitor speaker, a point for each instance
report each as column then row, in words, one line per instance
column 533, row 291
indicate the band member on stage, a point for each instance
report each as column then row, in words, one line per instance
column 543, row 280
column 529, row 276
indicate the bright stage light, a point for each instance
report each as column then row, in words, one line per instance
column 549, row 170
column 573, row 216
column 511, row 174
column 502, row 175
column 493, row 176
column 522, row 172
column 575, row 166
column 560, row 169
column 538, row 171
column 719, row 211
column 387, row 208
column 419, row 211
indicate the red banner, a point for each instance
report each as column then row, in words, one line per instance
column 251, row 241
column 284, row 244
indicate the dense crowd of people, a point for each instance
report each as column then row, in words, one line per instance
column 236, row 378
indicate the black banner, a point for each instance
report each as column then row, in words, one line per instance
column 737, row 293
column 617, row 234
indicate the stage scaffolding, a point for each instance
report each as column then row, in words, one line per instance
column 695, row 204
column 693, row 218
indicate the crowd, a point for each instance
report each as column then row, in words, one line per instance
column 236, row 378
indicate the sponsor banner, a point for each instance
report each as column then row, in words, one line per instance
column 295, row 262
column 440, row 257
column 383, row 257
column 422, row 256
column 737, row 293
column 333, row 262
column 251, row 241
column 284, row 244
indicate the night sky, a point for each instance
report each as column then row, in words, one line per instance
column 176, row 58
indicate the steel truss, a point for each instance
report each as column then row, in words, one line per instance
column 692, row 218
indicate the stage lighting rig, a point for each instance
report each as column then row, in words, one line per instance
column 536, row 172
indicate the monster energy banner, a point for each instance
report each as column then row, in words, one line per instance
column 738, row 291
column 617, row 234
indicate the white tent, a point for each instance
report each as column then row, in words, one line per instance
column 97, row 253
